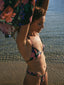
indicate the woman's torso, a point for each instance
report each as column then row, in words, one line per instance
column 38, row 63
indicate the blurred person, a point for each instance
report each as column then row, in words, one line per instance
column 31, row 48
column 28, row 40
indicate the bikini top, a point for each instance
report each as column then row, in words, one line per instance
column 35, row 53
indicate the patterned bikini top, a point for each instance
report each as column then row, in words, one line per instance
column 16, row 12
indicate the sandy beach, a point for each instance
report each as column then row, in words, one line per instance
column 13, row 73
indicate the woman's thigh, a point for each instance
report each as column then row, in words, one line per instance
column 31, row 80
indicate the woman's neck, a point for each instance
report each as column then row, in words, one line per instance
column 34, row 33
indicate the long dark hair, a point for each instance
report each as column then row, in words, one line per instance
column 38, row 12
column 43, row 4
column 41, row 7
column 39, row 3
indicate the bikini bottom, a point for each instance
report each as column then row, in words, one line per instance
column 38, row 75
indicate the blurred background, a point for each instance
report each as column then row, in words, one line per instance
column 52, row 36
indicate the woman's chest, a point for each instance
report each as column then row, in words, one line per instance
column 36, row 42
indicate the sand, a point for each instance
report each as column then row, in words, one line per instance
column 13, row 73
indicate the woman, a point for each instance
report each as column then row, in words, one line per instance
column 31, row 48
column 29, row 43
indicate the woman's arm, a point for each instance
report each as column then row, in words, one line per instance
column 22, row 35
column 45, row 5
column 21, row 40
column 24, row 32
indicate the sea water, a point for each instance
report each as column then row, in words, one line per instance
column 52, row 36
column 53, row 33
